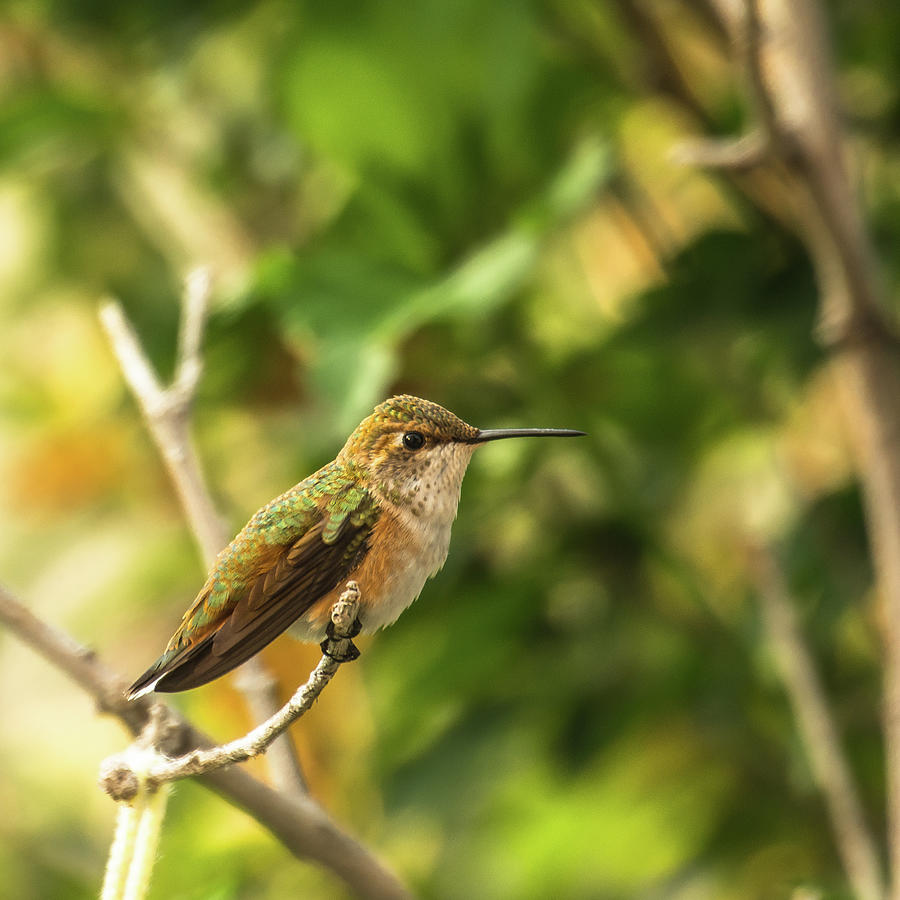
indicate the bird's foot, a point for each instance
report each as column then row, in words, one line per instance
column 341, row 648
column 347, row 653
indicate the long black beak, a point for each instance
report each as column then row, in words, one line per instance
column 497, row 434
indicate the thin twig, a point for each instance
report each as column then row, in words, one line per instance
column 151, row 809
column 737, row 154
column 855, row 843
column 120, row 852
column 190, row 333
column 301, row 825
column 166, row 411
column 139, row 778
column 259, row 688
column 343, row 616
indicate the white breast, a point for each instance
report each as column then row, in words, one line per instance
column 428, row 501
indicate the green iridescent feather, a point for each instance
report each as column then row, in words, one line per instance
column 292, row 552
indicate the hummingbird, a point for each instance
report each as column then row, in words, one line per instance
column 379, row 513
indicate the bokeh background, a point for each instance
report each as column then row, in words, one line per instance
column 476, row 203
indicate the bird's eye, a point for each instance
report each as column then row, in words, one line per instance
column 413, row 440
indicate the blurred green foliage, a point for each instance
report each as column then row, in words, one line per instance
column 474, row 203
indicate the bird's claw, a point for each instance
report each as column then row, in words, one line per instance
column 341, row 648
column 347, row 654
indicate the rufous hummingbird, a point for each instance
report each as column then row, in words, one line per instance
column 379, row 514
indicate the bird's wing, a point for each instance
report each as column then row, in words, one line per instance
column 219, row 632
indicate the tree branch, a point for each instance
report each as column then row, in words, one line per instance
column 302, row 826
column 166, row 411
column 796, row 86
column 738, row 154
column 856, row 845
column 198, row 762
column 787, row 61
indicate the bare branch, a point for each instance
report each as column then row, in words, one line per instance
column 190, row 334
column 302, row 826
column 167, row 414
column 138, row 373
column 260, row 691
column 165, row 409
column 197, row 762
column 737, row 154
column 767, row 185
column 855, row 843
column 790, row 73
